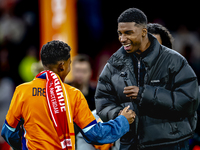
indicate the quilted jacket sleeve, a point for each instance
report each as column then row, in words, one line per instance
column 105, row 96
column 181, row 100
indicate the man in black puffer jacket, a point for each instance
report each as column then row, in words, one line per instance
column 155, row 81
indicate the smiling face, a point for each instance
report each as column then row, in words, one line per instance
column 131, row 35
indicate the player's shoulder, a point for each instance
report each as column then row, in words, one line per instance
column 71, row 89
column 23, row 89
column 27, row 86
column 24, row 85
column 74, row 94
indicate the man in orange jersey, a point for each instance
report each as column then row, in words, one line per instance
column 46, row 108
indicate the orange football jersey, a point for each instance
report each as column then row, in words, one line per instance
column 29, row 102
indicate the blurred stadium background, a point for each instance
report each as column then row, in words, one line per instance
column 88, row 26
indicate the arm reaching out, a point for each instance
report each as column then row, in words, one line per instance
column 129, row 114
column 109, row 132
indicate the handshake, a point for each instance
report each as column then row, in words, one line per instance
column 129, row 114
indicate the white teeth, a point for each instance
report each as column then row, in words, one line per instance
column 126, row 45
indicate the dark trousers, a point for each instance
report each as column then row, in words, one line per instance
column 179, row 146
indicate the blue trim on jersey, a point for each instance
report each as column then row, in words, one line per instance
column 12, row 138
column 91, row 123
column 42, row 76
column 24, row 147
column 89, row 126
column 9, row 127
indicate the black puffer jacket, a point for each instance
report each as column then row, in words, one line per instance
column 169, row 100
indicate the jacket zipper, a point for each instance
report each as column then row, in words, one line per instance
column 137, row 121
column 139, row 65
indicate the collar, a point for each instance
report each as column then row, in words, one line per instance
column 153, row 51
column 145, row 53
column 42, row 76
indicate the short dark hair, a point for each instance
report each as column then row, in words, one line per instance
column 133, row 15
column 166, row 37
column 54, row 51
column 82, row 58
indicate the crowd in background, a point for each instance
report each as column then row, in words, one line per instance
column 97, row 38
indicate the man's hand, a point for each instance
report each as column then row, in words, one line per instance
column 131, row 91
column 129, row 114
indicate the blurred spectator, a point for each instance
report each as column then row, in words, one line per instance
column 161, row 33
column 185, row 37
column 82, row 72
column 188, row 44
column 12, row 28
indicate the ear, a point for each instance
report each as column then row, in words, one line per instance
column 144, row 32
column 61, row 66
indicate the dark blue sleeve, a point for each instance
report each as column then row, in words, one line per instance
column 12, row 136
column 108, row 132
